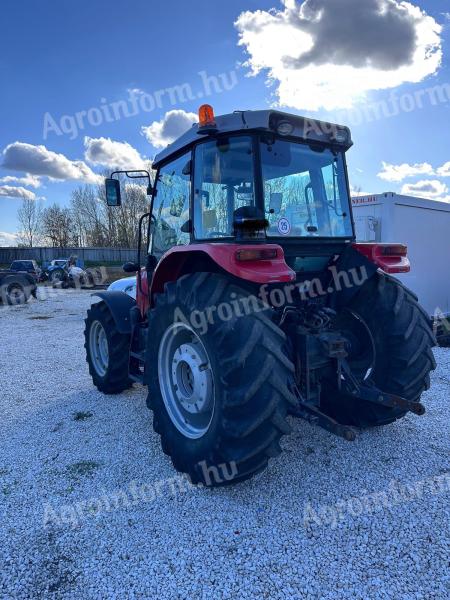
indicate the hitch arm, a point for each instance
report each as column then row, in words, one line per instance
column 314, row 416
column 376, row 396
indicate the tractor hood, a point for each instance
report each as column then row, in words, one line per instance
column 284, row 124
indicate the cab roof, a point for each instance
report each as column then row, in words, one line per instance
column 302, row 128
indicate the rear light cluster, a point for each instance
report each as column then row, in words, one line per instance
column 393, row 250
column 249, row 254
column 391, row 258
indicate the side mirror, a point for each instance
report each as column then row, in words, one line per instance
column 130, row 267
column 112, row 187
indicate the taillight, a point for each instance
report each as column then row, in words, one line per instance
column 392, row 258
column 256, row 254
column 393, row 250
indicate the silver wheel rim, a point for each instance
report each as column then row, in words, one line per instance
column 98, row 347
column 186, row 380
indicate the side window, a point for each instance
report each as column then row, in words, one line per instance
column 171, row 208
column 223, row 182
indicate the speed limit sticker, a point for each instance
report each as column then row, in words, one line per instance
column 284, row 227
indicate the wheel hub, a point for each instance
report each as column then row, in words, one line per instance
column 186, row 380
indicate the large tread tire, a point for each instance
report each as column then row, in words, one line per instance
column 404, row 344
column 15, row 290
column 116, row 379
column 253, row 380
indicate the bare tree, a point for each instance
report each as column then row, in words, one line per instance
column 57, row 226
column 97, row 224
column 29, row 216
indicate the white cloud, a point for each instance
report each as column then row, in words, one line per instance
column 8, row 239
column 400, row 172
column 38, row 160
column 329, row 53
column 27, row 179
column 109, row 153
column 444, row 171
column 431, row 189
column 169, row 128
column 10, row 191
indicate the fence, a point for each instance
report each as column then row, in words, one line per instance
column 45, row 255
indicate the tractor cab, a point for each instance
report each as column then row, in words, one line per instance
column 261, row 177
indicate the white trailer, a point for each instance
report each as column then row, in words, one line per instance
column 424, row 226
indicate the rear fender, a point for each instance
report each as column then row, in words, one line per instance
column 119, row 304
column 181, row 260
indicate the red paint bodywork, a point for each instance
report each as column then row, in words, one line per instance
column 172, row 265
column 390, row 262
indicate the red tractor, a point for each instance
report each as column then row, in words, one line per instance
column 255, row 302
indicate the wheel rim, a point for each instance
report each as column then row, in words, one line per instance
column 186, row 380
column 16, row 294
column 98, row 346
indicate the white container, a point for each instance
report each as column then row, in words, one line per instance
column 424, row 226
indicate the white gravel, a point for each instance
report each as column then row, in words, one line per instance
column 63, row 443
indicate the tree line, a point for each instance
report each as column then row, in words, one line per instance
column 87, row 222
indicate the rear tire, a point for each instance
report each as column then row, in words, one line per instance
column 251, row 377
column 403, row 341
column 107, row 351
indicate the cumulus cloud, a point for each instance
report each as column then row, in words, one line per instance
column 400, row 172
column 172, row 125
column 10, row 191
column 27, row 179
column 431, row 189
column 8, row 239
column 38, row 160
column 444, row 171
column 328, row 53
column 109, row 153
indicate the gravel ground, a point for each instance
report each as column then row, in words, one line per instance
column 90, row 506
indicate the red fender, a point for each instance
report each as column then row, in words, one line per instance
column 391, row 258
column 174, row 263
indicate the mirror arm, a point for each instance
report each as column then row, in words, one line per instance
column 133, row 174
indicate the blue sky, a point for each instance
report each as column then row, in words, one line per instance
column 62, row 58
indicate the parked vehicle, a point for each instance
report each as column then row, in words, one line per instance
column 28, row 266
column 16, row 287
column 126, row 284
column 390, row 216
column 259, row 303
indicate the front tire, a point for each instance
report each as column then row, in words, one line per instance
column 239, row 362
column 107, row 351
